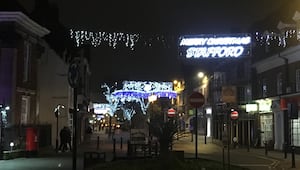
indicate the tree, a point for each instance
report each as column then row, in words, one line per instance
column 129, row 104
column 164, row 131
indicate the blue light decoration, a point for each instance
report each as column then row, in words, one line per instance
column 144, row 89
column 215, row 46
column 139, row 92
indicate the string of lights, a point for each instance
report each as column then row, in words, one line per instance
column 99, row 38
column 130, row 40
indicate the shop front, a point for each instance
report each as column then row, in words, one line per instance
column 265, row 127
column 290, row 107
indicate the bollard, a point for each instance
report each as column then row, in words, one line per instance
column 266, row 148
column 114, row 148
column 98, row 141
column 293, row 157
column 285, row 150
column 205, row 139
column 149, row 147
column 156, row 148
column 128, row 148
column 223, row 156
column 121, row 143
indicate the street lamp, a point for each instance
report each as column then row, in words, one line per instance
column 57, row 113
column 203, row 88
column 3, row 110
column 152, row 98
column 179, row 86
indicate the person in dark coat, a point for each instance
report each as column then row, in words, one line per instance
column 63, row 139
column 68, row 138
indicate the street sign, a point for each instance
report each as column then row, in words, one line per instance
column 196, row 99
column 234, row 115
column 171, row 112
column 73, row 73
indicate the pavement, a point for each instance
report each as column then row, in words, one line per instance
column 253, row 159
column 115, row 146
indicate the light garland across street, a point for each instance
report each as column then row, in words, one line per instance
column 130, row 40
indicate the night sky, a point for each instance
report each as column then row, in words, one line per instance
column 170, row 18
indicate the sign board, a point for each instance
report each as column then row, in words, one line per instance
column 215, row 46
column 234, row 115
column 74, row 74
column 229, row 94
column 138, row 136
column 171, row 112
column 196, row 99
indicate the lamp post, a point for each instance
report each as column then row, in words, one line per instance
column 179, row 86
column 152, row 98
column 57, row 113
column 203, row 85
column 3, row 110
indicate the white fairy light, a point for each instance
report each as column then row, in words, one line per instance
column 98, row 38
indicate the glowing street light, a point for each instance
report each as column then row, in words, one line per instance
column 152, row 98
column 200, row 74
column 57, row 113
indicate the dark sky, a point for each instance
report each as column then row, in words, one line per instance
column 151, row 18
column 184, row 15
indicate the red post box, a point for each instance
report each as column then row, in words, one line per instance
column 31, row 140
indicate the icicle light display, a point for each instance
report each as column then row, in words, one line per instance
column 113, row 39
column 266, row 39
column 99, row 38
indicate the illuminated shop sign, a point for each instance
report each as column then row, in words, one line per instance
column 144, row 89
column 101, row 108
column 215, row 46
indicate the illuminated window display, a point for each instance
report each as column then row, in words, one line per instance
column 296, row 132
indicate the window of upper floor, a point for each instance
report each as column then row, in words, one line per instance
column 264, row 88
column 279, row 83
column 26, row 61
column 25, row 109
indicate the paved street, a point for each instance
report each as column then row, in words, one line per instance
column 255, row 159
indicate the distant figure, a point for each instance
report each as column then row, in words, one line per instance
column 89, row 130
column 192, row 130
column 63, row 139
column 68, row 138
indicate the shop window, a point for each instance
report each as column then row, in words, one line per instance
column 296, row 132
column 27, row 54
column 267, row 128
column 264, row 88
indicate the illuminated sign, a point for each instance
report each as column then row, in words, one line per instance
column 144, row 89
column 101, row 108
column 214, row 46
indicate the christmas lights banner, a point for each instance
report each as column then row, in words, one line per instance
column 199, row 46
column 144, row 89
column 101, row 108
column 215, row 46
column 98, row 38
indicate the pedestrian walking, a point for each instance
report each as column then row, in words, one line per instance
column 63, row 139
column 68, row 138
column 191, row 127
